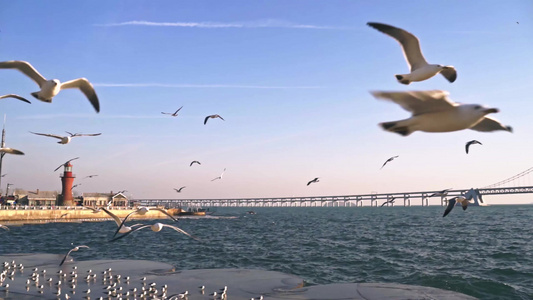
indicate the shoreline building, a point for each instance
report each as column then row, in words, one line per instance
column 104, row 199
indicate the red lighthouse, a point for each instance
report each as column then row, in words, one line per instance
column 67, row 179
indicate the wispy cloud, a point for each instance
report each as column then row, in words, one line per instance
column 236, row 86
column 269, row 23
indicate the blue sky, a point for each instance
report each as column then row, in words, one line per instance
column 290, row 78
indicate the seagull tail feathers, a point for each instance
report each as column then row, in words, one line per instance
column 402, row 79
column 393, row 127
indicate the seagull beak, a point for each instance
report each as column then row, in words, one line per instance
column 491, row 110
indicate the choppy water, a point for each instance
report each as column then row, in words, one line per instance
column 485, row 252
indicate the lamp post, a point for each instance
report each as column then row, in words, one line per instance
column 7, row 188
column 4, row 150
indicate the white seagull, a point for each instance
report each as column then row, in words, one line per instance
column 156, row 228
column 451, row 204
column 433, row 111
column 219, row 177
column 16, row 97
column 420, row 69
column 142, row 211
column 467, row 146
column 440, row 193
column 121, row 228
column 4, row 227
column 73, row 249
column 65, row 163
column 11, row 151
column 66, row 139
column 174, row 114
column 212, row 117
column 315, row 180
column 50, row 88
column 389, row 160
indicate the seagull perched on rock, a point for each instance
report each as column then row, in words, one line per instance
column 212, row 117
column 315, row 180
column 420, row 69
column 467, row 146
column 179, row 190
column 73, row 249
column 156, row 228
column 50, row 88
column 194, row 162
column 16, row 97
column 433, row 111
column 65, row 163
column 453, row 201
column 66, row 139
column 174, row 114
column 389, row 160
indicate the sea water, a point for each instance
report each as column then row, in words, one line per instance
column 485, row 252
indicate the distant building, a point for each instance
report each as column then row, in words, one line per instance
column 37, row 198
column 104, row 199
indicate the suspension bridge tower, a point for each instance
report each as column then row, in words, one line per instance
column 67, row 179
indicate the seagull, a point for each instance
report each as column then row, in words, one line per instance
column 219, row 177
column 121, row 228
column 156, row 228
column 388, row 160
column 212, row 116
column 142, row 211
column 66, row 139
column 11, row 151
column 16, row 97
column 50, row 88
column 313, row 181
column 121, row 192
column 194, row 162
column 420, row 69
column 65, row 163
column 489, row 124
column 433, row 111
column 95, row 210
column 4, row 227
column 467, row 146
column 76, row 185
column 179, row 190
column 90, row 176
column 3, row 175
column 451, row 204
column 391, row 201
column 175, row 114
column 73, row 249
column 440, row 194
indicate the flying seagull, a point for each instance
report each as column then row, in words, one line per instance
column 90, row 176
column 451, row 204
column 16, row 97
column 76, row 185
column 73, row 249
column 389, row 160
column 3, row 175
column 420, row 69
column 121, row 192
column 4, row 227
column 65, row 163
column 156, row 228
column 194, row 162
column 313, row 181
column 212, row 117
column 175, row 114
column 179, row 190
column 219, row 177
column 11, row 151
column 391, row 201
column 121, row 227
column 433, row 111
column 440, row 193
column 142, row 211
column 50, row 88
column 66, row 139
column 467, row 146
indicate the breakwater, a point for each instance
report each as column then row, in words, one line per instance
column 72, row 214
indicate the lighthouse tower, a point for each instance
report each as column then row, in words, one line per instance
column 67, row 179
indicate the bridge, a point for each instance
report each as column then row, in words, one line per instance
column 373, row 199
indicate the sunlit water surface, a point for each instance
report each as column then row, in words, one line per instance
column 485, row 252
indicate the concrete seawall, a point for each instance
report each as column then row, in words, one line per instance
column 74, row 215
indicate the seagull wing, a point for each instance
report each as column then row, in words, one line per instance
column 206, row 118
column 48, row 134
column 221, row 118
column 15, row 96
column 87, row 89
column 489, row 124
column 451, row 204
column 166, row 213
column 409, row 43
column 181, row 231
column 418, row 102
column 449, row 73
column 86, row 134
column 25, row 68
column 11, row 151
column 112, row 215
column 178, row 110
column 63, row 260
column 129, row 232
column 4, row 227
column 166, row 113
column 467, row 146
column 123, row 221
